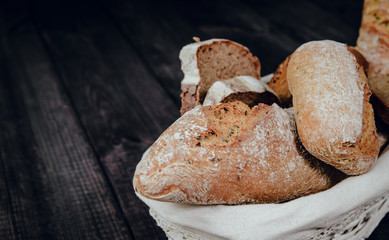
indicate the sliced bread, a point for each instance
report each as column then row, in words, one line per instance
column 246, row 89
column 206, row 62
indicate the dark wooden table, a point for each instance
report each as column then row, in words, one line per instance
column 86, row 87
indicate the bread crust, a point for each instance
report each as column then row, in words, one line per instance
column 373, row 43
column 246, row 89
column 334, row 118
column 231, row 154
column 279, row 84
column 192, row 86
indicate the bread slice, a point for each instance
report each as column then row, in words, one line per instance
column 231, row 154
column 246, row 89
column 279, row 84
column 334, row 118
column 373, row 42
column 206, row 62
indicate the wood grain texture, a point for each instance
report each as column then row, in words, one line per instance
column 122, row 106
column 55, row 186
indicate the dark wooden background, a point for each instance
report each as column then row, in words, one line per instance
column 87, row 86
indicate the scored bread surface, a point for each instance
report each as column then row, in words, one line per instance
column 205, row 62
column 230, row 154
column 331, row 101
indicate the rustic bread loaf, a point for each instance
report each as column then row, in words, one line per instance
column 230, row 154
column 279, row 84
column 331, row 102
column 373, row 42
column 205, row 62
column 373, row 39
column 246, row 89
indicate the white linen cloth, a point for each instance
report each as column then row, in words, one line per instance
column 349, row 210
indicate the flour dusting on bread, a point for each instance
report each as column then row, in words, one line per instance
column 230, row 154
column 333, row 90
column 334, row 118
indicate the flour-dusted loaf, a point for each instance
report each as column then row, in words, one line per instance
column 279, row 84
column 231, row 154
column 334, row 118
column 246, row 89
column 205, row 62
column 279, row 81
column 373, row 42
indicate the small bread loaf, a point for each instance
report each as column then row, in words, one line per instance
column 373, row 39
column 206, row 62
column 230, row 154
column 279, row 84
column 279, row 81
column 246, row 89
column 373, row 42
column 331, row 102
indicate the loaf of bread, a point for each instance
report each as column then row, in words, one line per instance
column 279, row 84
column 334, row 118
column 373, row 42
column 230, row 154
column 246, row 89
column 206, row 62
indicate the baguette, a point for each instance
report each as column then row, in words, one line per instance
column 230, row 154
column 334, row 118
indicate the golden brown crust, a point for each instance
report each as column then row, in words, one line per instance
column 373, row 42
column 279, row 84
column 231, row 154
column 334, row 118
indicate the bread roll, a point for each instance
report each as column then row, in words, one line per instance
column 206, row 62
column 246, row 89
column 279, row 84
column 231, row 154
column 331, row 102
column 373, row 42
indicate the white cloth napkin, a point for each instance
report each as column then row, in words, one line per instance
column 349, row 210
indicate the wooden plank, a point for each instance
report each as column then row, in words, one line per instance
column 121, row 104
column 158, row 48
column 346, row 11
column 15, row 211
column 307, row 21
column 54, row 185
column 271, row 29
column 166, row 28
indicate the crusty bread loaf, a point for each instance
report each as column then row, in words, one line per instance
column 230, row 154
column 246, row 89
column 205, row 62
column 331, row 102
column 373, row 42
column 279, row 84
column 373, row 39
